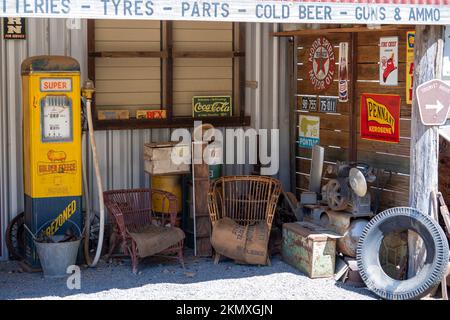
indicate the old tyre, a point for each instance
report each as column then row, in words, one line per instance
column 15, row 237
column 402, row 219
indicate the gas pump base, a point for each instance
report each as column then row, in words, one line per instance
column 53, row 217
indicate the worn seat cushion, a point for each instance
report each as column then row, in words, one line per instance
column 152, row 239
column 246, row 244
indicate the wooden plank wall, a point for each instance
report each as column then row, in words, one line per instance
column 201, row 76
column 334, row 127
column 131, row 83
column 393, row 187
column 135, row 83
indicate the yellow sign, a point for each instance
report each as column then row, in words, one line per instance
column 380, row 114
column 410, row 37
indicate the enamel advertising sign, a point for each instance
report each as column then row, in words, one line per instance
column 389, row 61
column 343, row 72
column 410, row 37
column 380, row 117
column 322, row 63
column 309, row 130
column 14, row 28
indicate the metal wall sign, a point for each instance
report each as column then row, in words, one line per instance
column 343, row 72
column 433, row 98
column 309, row 103
column 210, row 106
column 389, row 61
column 328, row 104
column 321, row 63
column 308, row 131
column 14, row 28
column 410, row 37
column 380, row 117
column 288, row 11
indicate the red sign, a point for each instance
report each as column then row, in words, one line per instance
column 321, row 64
column 380, row 117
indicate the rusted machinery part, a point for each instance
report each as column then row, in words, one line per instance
column 15, row 237
column 336, row 201
column 434, row 267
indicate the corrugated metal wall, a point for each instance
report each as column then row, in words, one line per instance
column 120, row 152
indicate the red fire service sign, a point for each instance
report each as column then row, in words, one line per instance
column 380, row 117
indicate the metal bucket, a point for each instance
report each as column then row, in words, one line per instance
column 56, row 257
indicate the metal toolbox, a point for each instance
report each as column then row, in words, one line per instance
column 158, row 158
column 309, row 248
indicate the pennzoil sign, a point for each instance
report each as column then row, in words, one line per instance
column 380, row 117
column 209, row 106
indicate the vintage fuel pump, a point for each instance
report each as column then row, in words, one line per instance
column 52, row 147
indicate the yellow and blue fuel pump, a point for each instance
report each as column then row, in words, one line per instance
column 52, row 147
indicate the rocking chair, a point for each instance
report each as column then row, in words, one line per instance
column 138, row 229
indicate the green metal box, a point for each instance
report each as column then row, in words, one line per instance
column 309, row 248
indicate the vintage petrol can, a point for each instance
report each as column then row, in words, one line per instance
column 310, row 248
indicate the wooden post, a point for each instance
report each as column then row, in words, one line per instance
column 424, row 139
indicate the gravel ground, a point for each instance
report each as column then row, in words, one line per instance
column 165, row 279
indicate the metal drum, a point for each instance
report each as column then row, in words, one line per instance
column 170, row 183
column 348, row 243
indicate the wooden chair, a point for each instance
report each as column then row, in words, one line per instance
column 244, row 199
column 131, row 212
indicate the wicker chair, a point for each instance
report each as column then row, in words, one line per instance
column 244, row 199
column 131, row 211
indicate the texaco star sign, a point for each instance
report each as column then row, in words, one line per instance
column 321, row 64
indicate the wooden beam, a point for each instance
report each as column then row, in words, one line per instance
column 129, row 54
column 353, row 99
column 176, row 122
column 424, row 160
column 164, row 54
column 167, row 69
column 210, row 55
column 312, row 32
column 91, row 48
column 293, row 117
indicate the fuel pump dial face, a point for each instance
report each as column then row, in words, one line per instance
column 56, row 119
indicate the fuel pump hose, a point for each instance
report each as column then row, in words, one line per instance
column 87, row 92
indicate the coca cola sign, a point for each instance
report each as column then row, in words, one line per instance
column 212, row 106
column 321, row 64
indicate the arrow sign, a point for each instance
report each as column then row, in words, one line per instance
column 438, row 106
column 434, row 102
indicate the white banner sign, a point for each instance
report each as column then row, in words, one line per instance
column 287, row 11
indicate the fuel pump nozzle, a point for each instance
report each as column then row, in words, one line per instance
column 88, row 89
column 87, row 92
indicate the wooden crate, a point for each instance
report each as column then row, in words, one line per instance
column 310, row 248
column 157, row 158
